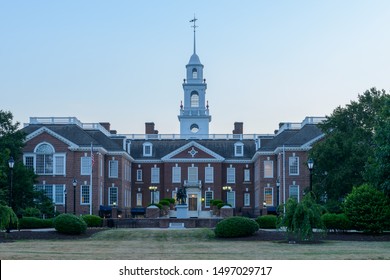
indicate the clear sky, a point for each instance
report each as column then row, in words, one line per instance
column 124, row 61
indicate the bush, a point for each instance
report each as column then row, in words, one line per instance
column 70, row 224
column 32, row 212
column 164, row 202
column 215, row 202
column 236, row 227
column 368, row 209
column 92, row 220
column 336, row 222
column 171, row 200
column 268, row 221
column 33, row 222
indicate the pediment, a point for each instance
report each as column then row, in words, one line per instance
column 43, row 130
column 193, row 151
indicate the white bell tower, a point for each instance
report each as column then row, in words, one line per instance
column 194, row 115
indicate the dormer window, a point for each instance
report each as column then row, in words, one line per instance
column 238, row 149
column 148, row 149
column 194, row 73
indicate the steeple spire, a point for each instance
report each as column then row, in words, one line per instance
column 194, row 27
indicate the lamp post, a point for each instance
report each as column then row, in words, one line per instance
column 310, row 164
column 152, row 190
column 227, row 189
column 74, row 195
column 277, row 192
column 66, row 200
column 11, row 163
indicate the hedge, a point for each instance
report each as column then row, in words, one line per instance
column 92, row 220
column 236, row 227
column 70, row 224
column 267, row 221
column 33, row 222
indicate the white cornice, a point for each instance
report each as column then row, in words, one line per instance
column 311, row 142
column 52, row 133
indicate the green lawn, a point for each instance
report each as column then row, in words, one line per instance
column 187, row 244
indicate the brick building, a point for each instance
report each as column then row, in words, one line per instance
column 86, row 168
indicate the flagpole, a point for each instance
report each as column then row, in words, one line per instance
column 90, row 185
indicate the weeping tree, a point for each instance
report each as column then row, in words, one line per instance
column 301, row 218
column 8, row 218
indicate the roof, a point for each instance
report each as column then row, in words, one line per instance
column 194, row 59
column 77, row 135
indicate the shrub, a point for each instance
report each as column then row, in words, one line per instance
column 33, row 222
column 92, row 220
column 164, row 202
column 236, row 227
column 171, row 200
column 268, row 221
column 336, row 222
column 367, row 209
column 156, row 204
column 32, row 212
column 8, row 218
column 70, row 224
column 215, row 202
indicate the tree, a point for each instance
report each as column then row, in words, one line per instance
column 301, row 218
column 341, row 159
column 368, row 209
column 11, row 144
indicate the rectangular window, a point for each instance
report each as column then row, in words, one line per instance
column 139, row 175
column 268, row 169
column 293, row 163
column 59, row 165
column 209, row 174
column 247, row 199
column 231, row 175
column 209, row 195
column 193, row 174
column 156, row 197
column 147, row 149
column 268, row 196
column 29, row 162
column 139, row 199
column 176, row 174
column 293, row 192
column 239, row 150
column 155, row 175
column 44, row 164
column 231, row 198
column 46, row 189
column 247, row 175
column 113, row 169
column 101, row 166
column 85, row 166
column 113, row 196
column 59, row 194
column 84, row 194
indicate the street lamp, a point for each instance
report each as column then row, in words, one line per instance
column 11, row 164
column 66, row 199
column 277, row 192
column 74, row 195
column 152, row 190
column 310, row 164
column 227, row 189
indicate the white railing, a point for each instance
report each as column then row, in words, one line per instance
column 194, row 184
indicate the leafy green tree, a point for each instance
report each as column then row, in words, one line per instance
column 368, row 209
column 301, row 218
column 341, row 159
column 378, row 170
column 11, row 144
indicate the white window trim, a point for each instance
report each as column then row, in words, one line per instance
column 247, row 199
column 138, row 201
column 176, row 174
column 205, row 201
column 81, row 194
column 110, row 202
column 298, row 198
column 139, row 175
column 86, row 166
column 272, row 195
column 236, row 152
column 231, row 175
column 155, row 175
column 272, row 168
column 193, row 175
column 289, row 166
column 247, row 175
column 150, row 145
column 209, row 174
column 233, row 194
column 113, row 171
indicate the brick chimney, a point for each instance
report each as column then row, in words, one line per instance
column 106, row 125
column 149, row 128
column 238, row 128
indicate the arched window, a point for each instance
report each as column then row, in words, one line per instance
column 194, row 128
column 194, row 73
column 44, row 154
column 194, row 99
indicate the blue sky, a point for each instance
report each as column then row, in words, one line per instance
column 124, row 61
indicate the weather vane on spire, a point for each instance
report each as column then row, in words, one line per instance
column 194, row 26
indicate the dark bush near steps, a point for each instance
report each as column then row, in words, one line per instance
column 267, row 221
column 70, row 224
column 236, row 227
column 92, row 220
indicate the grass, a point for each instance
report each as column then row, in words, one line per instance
column 194, row 244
